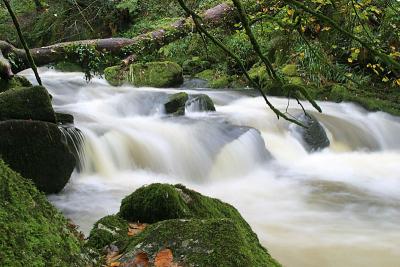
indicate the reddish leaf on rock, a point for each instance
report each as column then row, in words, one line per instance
column 136, row 228
column 164, row 258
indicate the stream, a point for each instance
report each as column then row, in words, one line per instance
column 336, row 207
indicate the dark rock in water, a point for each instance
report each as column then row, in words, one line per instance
column 16, row 81
column 314, row 136
column 176, row 104
column 26, row 103
column 201, row 102
column 194, row 83
column 192, row 229
column 33, row 232
column 64, row 118
column 38, row 151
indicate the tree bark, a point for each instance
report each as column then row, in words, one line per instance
column 219, row 15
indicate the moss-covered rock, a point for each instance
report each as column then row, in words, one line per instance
column 201, row 102
column 153, row 74
column 33, row 232
column 27, row 103
column 197, row 242
column 314, row 136
column 215, row 78
column 176, row 104
column 199, row 230
column 108, row 230
column 16, row 81
column 115, row 75
column 38, row 151
column 195, row 65
column 156, row 74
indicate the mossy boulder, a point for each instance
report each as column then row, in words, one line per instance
column 338, row 93
column 176, row 104
column 195, row 229
column 115, row 75
column 215, row 78
column 108, row 230
column 314, row 136
column 14, row 82
column 201, row 102
column 38, row 151
column 153, row 74
column 26, row 103
column 197, row 242
column 33, row 232
column 195, row 65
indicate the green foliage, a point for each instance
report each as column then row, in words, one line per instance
column 131, row 5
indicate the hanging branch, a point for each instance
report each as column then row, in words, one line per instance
column 256, row 46
column 385, row 58
column 199, row 25
column 21, row 37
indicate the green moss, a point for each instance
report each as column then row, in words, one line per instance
column 194, row 65
column 33, row 232
column 114, row 75
column 215, row 78
column 290, row 70
column 296, row 80
column 110, row 229
column 38, row 151
column 155, row 74
column 28, row 103
column 16, row 81
column 195, row 242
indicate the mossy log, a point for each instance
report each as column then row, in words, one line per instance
column 222, row 14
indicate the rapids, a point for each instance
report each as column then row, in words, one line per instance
column 336, row 207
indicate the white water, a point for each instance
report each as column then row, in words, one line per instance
column 337, row 207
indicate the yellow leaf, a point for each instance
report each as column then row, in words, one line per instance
column 350, row 60
column 398, row 82
column 385, row 79
column 115, row 264
column 290, row 12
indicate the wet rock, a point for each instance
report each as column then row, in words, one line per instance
column 33, row 232
column 26, row 103
column 64, row 118
column 176, row 104
column 314, row 136
column 195, row 65
column 194, row 83
column 201, row 102
column 38, row 151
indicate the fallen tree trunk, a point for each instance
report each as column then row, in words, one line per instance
column 122, row 47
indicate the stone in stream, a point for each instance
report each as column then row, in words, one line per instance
column 152, row 74
column 38, row 151
column 176, row 104
column 201, row 102
column 33, row 232
column 314, row 136
column 189, row 228
column 64, row 118
column 26, row 103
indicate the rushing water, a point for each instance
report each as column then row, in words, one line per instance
column 336, row 207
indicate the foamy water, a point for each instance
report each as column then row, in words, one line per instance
column 336, row 207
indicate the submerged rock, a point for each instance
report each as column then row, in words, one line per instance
column 314, row 136
column 38, row 151
column 176, row 104
column 26, row 103
column 153, row 74
column 187, row 229
column 33, row 232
